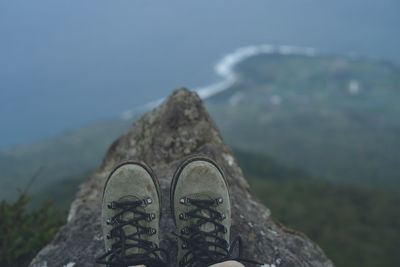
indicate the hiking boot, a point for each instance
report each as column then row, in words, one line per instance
column 130, row 217
column 202, row 212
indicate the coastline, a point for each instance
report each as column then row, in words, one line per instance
column 225, row 69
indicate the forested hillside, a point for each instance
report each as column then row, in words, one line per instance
column 355, row 227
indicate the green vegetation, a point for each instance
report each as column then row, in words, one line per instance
column 355, row 227
column 23, row 233
column 64, row 161
column 336, row 118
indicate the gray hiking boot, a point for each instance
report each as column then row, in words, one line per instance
column 130, row 217
column 202, row 212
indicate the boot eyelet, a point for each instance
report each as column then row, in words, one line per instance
column 225, row 230
column 219, row 200
column 111, row 205
column 222, row 216
column 111, row 221
column 184, row 246
column 109, row 236
column 147, row 201
column 185, row 230
column 151, row 231
column 183, row 216
column 184, row 201
column 150, row 217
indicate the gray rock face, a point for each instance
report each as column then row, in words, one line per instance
column 180, row 126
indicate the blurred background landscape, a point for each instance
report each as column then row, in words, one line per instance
column 306, row 93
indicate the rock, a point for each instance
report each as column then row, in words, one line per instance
column 178, row 127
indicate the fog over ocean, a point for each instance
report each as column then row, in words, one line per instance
column 64, row 64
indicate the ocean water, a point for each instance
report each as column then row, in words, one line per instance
column 64, row 64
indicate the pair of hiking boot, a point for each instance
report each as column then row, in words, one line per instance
column 200, row 205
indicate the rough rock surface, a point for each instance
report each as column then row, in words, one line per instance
column 178, row 127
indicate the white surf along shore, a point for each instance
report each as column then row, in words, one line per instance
column 225, row 68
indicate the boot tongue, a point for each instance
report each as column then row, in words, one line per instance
column 207, row 226
column 130, row 229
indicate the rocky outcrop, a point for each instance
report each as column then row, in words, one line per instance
column 178, row 127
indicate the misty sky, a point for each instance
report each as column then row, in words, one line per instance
column 64, row 64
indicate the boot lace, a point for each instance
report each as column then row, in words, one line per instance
column 117, row 254
column 207, row 247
